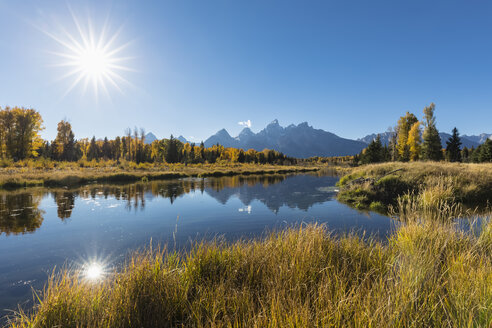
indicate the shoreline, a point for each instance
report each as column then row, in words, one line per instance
column 430, row 185
column 302, row 275
column 76, row 177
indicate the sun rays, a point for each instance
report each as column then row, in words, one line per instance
column 93, row 58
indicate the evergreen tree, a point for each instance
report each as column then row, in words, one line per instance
column 465, row 155
column 453, row 148
column 172, row 150
column 241, row 157
column 192, row 152
column 474, row 154
column 106, row 149
column 431, row 147
column 373, row 153
column 485, row 153
column 71, row 153
column 116, row 148
column 93, row 152
column 64, row 145
column 202, row 151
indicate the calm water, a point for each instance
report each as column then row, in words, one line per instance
column 43, row 228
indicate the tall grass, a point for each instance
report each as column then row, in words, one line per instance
column 56, row 174
column 428, row 274
column 437, row 183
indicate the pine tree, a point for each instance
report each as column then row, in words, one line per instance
column 485, row 153
column 116, row 149
column 431, row 147
column 202, row 151
column 373, row 153
column 93, row 152
column 172, row 151
column 453, row 148
column 106, row 149
column 70, row 153
column 465, row 155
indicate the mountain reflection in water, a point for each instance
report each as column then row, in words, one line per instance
column 20, row 213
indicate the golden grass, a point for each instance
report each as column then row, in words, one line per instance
column 427, row 275
column 71, row 174
column 437, row 183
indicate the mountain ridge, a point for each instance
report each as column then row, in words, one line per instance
column 300, row 140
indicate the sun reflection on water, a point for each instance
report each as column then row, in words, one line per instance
column 94, row 271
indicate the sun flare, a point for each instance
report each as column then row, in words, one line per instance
column 91, row 57
column 94, row 62
column 93, row 271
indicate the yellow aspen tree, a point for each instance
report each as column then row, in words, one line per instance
column 414, row 142
column 404, row 125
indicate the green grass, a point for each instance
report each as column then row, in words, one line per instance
column 436, row 183
column 71, row 174
column 428, row 274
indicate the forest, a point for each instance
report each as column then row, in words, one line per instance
column 411, row 140
column 20, row 139
column 410, row 143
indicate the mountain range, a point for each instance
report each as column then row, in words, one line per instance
column 304, row 141
column 300, row 141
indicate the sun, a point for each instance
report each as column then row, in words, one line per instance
column 93, row 58
column 94, row 63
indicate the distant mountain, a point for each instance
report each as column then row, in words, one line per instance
column 300, row 141
column 149, row 138
column 480, row 139
column 466, row 141
column 182, row 139
column 222, row 137
column 385, row 138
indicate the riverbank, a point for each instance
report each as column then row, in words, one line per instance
column 432, row 184
column 70, row 175
column 428, row 274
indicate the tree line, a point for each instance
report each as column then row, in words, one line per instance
column 413, row 140
column 20, row 139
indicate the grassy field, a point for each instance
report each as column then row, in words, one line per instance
column 435, row 185
column 53, row 174
column 429, row 274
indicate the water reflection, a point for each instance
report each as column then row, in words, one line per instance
column 300, row 191
column 65, row 202
column 19, row 212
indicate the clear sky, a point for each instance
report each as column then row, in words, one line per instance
column 349, row 67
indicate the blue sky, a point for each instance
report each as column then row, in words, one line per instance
column 349, row 67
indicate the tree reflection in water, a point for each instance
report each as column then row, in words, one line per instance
column 65, row 202
column 19, row 212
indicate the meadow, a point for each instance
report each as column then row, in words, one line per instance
column 382, row 186
column 49, row 173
